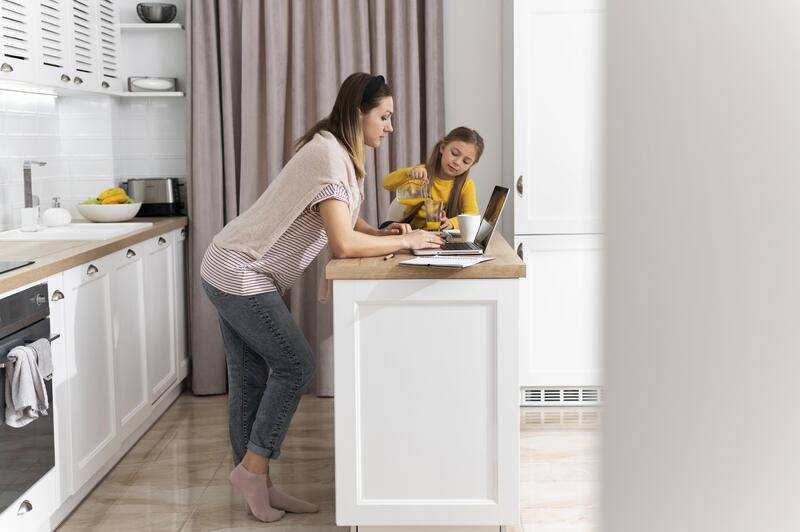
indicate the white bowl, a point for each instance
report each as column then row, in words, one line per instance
column 109, row 213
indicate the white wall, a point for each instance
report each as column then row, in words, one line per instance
column 473, row 82
column 89, row 143
column 703, row 267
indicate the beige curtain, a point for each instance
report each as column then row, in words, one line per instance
column 261, row 74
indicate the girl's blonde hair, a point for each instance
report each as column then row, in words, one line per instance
column 464, row 134
column 344, row 122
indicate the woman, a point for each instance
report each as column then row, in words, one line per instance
column 314, row 200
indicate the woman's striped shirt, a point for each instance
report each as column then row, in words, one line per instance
column 237, row 273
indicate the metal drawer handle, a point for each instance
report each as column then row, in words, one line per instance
column 130, row 253
column 91, row 270
column 183, row 231
column 58, row 295
column 520, row 252
column 161, row 241
column 77, row 80
column 5, row 67
column 519, row 186
column 64, row 77
column 105, row 85
column 54, row 338
column 25, row 507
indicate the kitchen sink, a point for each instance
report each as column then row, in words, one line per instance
column 76, row 231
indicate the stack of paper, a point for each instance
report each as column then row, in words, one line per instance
column 446, row 261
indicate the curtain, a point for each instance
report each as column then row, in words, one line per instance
column 262, row 73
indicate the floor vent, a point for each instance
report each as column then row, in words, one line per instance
column 551, row 418
column 561, row 396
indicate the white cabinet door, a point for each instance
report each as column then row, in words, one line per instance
column 558, row 102
column 87, row 298
column 108, row 41
column 129, row 337
column 70, row 47
column 85, row 56
column 61, row 419
column 560, row 304
column 182, row 355
column 159, row 296
column 19, row 41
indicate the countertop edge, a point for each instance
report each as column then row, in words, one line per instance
column 91, row 249
column 506, row 265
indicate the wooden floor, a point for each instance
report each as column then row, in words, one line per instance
column 176, row 477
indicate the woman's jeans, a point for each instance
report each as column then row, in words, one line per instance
column 260, row 335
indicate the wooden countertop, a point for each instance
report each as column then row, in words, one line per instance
column 506, row 265
column 53, row 256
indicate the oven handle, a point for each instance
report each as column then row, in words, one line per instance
column 52, row 339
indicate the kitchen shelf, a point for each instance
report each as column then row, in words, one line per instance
column 154, row 94
column 153, row 26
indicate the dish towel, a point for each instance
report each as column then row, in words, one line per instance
column 25, row 393
column 44, row 357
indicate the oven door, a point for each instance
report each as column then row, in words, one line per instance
column 26, row 453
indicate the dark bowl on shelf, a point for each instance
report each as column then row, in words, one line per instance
column 156, row 12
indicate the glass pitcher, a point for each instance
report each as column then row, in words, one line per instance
column 412, row 194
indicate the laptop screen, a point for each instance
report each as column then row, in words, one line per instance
column 491, row 215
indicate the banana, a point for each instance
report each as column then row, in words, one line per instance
column 110, row 192
column 116, row 198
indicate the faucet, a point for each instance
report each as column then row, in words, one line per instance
column 26, row 177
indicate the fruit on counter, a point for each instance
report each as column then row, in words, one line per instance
column 107, row 193
column 110, row 196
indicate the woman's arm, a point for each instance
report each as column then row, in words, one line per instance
column 362, row 226
column 345, row 242
column 394, row 228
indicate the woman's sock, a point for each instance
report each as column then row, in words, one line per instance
column 254, row 490
column 284, row 501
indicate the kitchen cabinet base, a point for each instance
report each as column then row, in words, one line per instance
column 161, row 406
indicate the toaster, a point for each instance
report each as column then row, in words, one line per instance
column 158, row 196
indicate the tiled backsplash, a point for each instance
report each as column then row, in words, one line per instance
column 89, row 143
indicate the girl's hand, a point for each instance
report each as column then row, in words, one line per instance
column 444, row 222
column 420, row 239
column 395, row 228
column 419, row 172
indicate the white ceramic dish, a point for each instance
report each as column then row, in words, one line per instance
column 109, row 213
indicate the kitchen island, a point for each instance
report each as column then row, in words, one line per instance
column 426, row 393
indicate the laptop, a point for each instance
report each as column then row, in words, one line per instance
column 490, row 216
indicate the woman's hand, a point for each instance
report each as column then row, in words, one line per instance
column 394, row 228
column 420, row 239
column 444, row 222
column 419, row 172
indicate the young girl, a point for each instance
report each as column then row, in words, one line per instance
column 314, row 200
column 446, row 172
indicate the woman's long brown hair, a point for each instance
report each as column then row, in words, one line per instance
column 464, row 134
column 344, row 122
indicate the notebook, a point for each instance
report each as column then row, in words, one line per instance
column 490, row 216
column 440, row 261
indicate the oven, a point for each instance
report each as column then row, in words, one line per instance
column 26, row 453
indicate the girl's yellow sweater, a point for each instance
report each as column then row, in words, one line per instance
column 440, row 190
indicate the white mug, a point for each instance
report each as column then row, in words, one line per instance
column 468, row 224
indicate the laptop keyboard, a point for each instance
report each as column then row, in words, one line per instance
column 458, row 246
